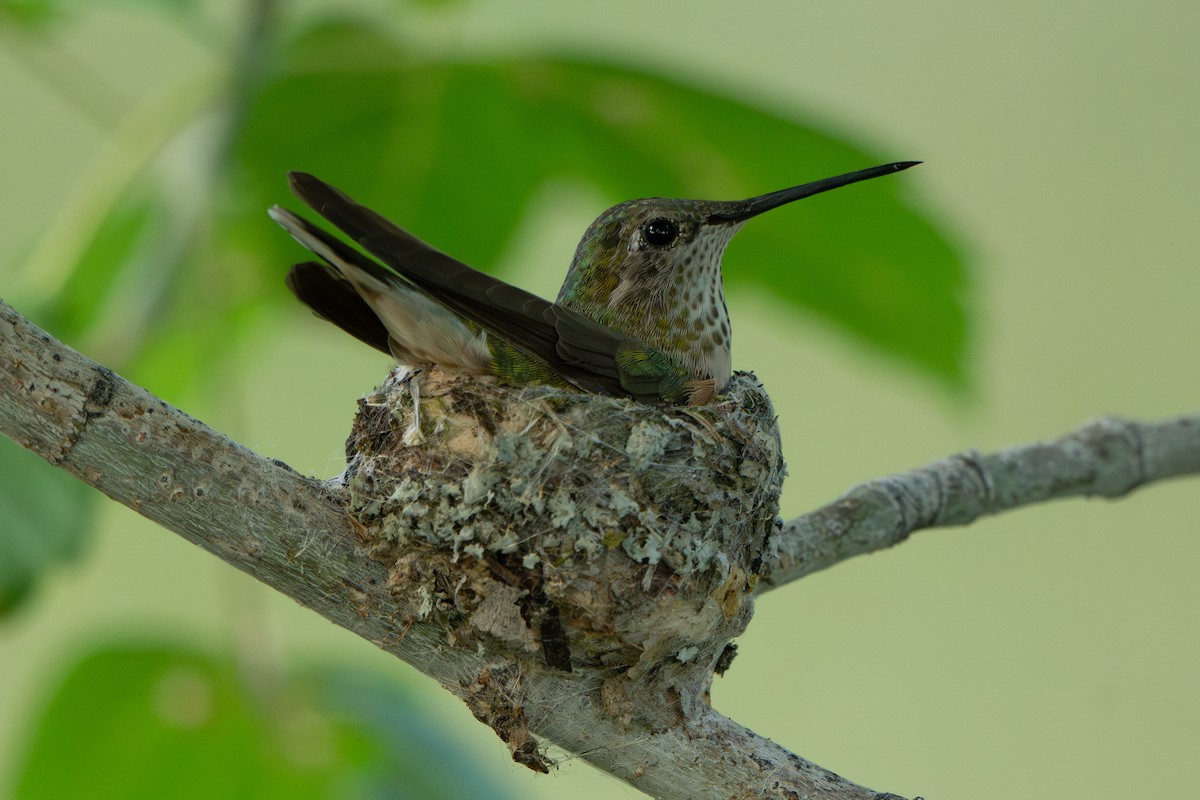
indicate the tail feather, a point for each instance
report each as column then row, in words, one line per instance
column 425, row 286
column 377, row 306
column 581, row 350
column 334, row 299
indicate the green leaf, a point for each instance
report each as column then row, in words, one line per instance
column 198, row 337
column 36, row 13
column 45, row 518
column 143, row 293
column 148, row 292
column 413, row 754
column 155, row 722
column 861, row 257
column 454, row 152
column 32, row 14
column 439, row 148
column 128, row 232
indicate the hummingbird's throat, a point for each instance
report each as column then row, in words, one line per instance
column 674, row 301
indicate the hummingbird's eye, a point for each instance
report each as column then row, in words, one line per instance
column 660, row 232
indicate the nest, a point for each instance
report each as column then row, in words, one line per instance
column 583, row 531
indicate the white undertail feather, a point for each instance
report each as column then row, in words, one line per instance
column 420, row 330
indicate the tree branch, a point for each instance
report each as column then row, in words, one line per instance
column 296, row 535
column 446, row 607
column 1109, row 457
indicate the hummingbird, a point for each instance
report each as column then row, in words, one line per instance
column 640, row 314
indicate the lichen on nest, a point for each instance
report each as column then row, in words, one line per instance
column 551, row 474
column 638, row 528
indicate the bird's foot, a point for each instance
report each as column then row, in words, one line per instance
column 412, row 434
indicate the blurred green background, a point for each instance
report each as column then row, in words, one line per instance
column 1051, row 652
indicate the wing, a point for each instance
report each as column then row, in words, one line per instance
column 585, row 353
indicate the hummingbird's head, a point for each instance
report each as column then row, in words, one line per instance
column 651, row 268
column 651, row 254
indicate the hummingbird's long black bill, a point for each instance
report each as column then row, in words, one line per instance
column 745, row 209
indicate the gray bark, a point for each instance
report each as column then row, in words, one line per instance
column 1108, row 457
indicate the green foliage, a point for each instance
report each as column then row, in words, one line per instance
column 46, row 516
column 157, row 721
column 37, row 13
column 121, row 246
column 29, row 13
